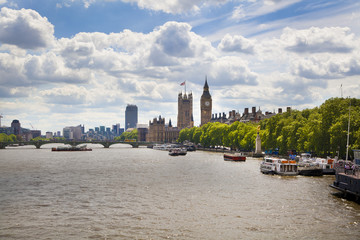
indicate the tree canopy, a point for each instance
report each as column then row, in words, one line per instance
column 127, row 136
column 8, row 138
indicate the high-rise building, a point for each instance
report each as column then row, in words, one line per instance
column 35, row 133
column 185, row 111
column 72, row 132
column 102, row 129
column 116, row 129
column 16, row 127
column 49, row 135
column 131, row 116
column 205, row 104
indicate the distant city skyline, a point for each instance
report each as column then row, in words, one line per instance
column 83, row 61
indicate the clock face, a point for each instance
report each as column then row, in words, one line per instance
column 207, row 103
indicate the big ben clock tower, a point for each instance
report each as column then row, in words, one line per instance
column 205, row 104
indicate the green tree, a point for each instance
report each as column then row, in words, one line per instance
column 322, row 130
column 127, row 136
column 37, row 139
column 8, row 138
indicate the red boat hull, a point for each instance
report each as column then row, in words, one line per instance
column 228, row 157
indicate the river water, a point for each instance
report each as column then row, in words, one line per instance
column 126, row 193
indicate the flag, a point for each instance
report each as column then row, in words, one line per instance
column 183, row 83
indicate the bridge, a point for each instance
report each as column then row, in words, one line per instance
column 106, row 144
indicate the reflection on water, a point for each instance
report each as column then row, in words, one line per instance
column 125, row 193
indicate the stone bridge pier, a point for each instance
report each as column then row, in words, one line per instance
column 38, row 144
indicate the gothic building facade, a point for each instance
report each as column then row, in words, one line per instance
column 205, row 104
column 185, row 111
column 159, row 132
column 247, row 116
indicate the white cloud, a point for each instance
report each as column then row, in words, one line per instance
column 49, row 68
column 11, row 71
column 99, row 72
column 174, row 41
column 167, row 6
column 322, row 53
column 236, row 43
column 238, row 13
column 231, row 70
column 16, row 92
column 253, row 8
column 25, row 28
column 67, row 95
column 327, row 66
column 318, row 40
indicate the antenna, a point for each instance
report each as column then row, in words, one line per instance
column 1, row 116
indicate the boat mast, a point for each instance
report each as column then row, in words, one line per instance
column 347, row 142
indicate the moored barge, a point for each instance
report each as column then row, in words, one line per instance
column 347, row 176
column 307, row 166
column 70, row 148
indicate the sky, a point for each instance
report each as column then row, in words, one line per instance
column 70, row 62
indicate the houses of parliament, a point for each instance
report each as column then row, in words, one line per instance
column 160, row 132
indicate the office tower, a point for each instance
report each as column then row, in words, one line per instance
column 16, row 127
column 131, row 116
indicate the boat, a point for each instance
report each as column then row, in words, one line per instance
column 279, row 166
column 347, row 173
column 238, row 157
column 347, row 176
column 164, row 147
column 70, row 148
column 327, row 165
column 307, row 166
column 183, row 151
column 174, row 152
column 177, row 152
column 190, row 148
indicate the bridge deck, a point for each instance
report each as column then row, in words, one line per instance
column 106, row 144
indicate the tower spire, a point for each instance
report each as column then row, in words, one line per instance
column 206, row 86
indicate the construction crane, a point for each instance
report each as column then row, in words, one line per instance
column 32, row 126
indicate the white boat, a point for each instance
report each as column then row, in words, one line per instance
column 327, row 165
column 279, row 166
column 177, row 151
column 308, row 166
column 164, row 147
